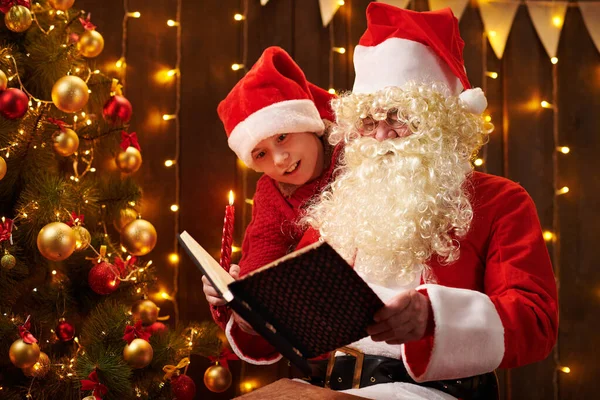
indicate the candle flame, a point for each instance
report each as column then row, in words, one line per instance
column 231, row 197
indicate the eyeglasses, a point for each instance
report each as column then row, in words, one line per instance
column 369, row 124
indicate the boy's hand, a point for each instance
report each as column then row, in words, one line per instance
column 210, row 292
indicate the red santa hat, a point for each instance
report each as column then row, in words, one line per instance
column 402, row 45
column 273, row 97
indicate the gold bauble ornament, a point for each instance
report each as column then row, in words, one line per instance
column 8, row 260
column 62, row 5
column 82, row 238
column 18, row 19
column 3, row 168
column 138, row 354
column 129, row 160
column 66, row 142
column 90, row 44
column 146, row 311
column 139, row 237
column 3, row 80
column 70, row 94
column 126, row 215
column 217, row 378
column 56, row 241
column 40, row 368
column 22, row 354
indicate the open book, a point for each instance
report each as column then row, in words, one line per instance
column 306, row 304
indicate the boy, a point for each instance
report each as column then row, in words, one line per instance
column 276, row 122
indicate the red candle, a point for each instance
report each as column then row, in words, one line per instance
column 227, row 239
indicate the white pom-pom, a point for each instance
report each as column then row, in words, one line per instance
column 474, row 100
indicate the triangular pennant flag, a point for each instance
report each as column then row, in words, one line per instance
column 328, row 10
column 548, row 20
column 497, row 20
column 396, row 3
column 263, row 2
column 591, row 18
column 457, row 6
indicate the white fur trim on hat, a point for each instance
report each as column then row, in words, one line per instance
column 288, row 116
column 468, row 338
column 397, row 61
column 474, row 100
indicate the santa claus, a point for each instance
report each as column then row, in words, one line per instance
column 457, row 256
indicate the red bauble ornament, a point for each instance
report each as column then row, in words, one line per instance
column 103, row 278
column 157, row 327
column 183, row 387
column 65, row 331
column 117, row 108
column 13, row 103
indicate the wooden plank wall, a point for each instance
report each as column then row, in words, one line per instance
column 521, row 147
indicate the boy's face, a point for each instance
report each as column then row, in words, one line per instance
column 294, row 158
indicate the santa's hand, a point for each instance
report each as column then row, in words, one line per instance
column 212, row 296
column 403, row 319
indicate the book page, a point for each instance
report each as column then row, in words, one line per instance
column 218, row 277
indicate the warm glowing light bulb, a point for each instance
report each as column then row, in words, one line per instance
column 557, row 21
column 173, row 258
column 554, row 60
column 492, row 33
column 332, row 91
column 172, row 23
column 54, row 272
column 545, row 104
column 174, row 207
column 172, row 72
column 488, row 118
column 168, row 117
column 237, row 67
column 478, row 162
column 566, row 370
column 119, row 63
column 548, row 236
column 340, row 50
column 562, row 190
column 564, row 149
column 135, row 14
column 238, row 17
column 169, row 163
column 341, row 2
column 491, row 74
column 164, row 295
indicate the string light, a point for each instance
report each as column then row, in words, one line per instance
column 168, row 117
column 174, row 207
column 237, row 67
column 340, row 50
column 478, row 162
column 488, row 118
column 554, row 60
column 491, row 74
column 566, row 370
column 332, row 91
column 557, row 21
column 172, row 23
column 548, row 236
column 54, row 272
column 238, row 17
column 341, row 2
column 562, row 190
column 174, row 258
column 120, row 62
column 563, row 149
column 545, row 104
column 135, row 14
column 169, row 163
column 172, row 72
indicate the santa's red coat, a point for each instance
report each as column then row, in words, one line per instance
column 495, row 307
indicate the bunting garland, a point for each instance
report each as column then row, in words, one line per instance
column 328, row 9
column 548, row 20
column 497, row 20
column 457, row 6
column 590, row 11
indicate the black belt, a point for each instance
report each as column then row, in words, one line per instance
column 378, row 370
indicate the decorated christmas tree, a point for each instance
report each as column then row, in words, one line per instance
column 75, row 318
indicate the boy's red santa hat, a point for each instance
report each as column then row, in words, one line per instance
column 402, row 45
column 274, row 97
